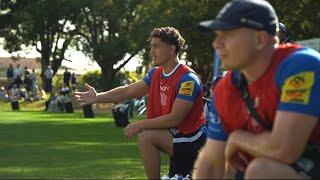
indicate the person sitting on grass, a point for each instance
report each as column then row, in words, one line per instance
column 65, row 90
column 55, row 103
column 3, row 94
column 14, row 93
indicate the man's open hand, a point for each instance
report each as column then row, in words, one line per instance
column 89, row 96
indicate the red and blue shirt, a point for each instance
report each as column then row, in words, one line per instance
column 181, row 83
column 291, row 83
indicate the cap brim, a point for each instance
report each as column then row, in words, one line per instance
column 215, row 25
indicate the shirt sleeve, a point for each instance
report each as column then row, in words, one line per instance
column 189, row 87
column 215, row 129
column 147, row 78
column 298, row 78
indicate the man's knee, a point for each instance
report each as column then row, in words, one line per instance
column 144, row 137
column 257, row 168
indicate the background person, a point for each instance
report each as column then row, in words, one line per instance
column 283, row 35
column 48, row 74
column 66, row 77
column 9, row 74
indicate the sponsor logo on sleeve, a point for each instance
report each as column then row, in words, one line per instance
column 187, row 88
column 297, row 88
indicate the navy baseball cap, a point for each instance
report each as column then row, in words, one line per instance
column 254, row 14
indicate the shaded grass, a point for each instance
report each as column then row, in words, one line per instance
column 36, row 144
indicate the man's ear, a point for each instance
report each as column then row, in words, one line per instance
column 173, row 49
column 263, row 39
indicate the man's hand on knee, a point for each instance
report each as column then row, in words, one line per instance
column 132, row 129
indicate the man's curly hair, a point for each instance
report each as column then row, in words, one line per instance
column 169, row 35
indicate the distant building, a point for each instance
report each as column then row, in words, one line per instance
column 31, row 63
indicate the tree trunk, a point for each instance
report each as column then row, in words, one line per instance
column 56, row 64
column 108, row 77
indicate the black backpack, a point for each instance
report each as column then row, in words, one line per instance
column 120, row 115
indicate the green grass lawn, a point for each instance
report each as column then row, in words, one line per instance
column 36, row 144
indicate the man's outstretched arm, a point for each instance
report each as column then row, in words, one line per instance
column 118, row 94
